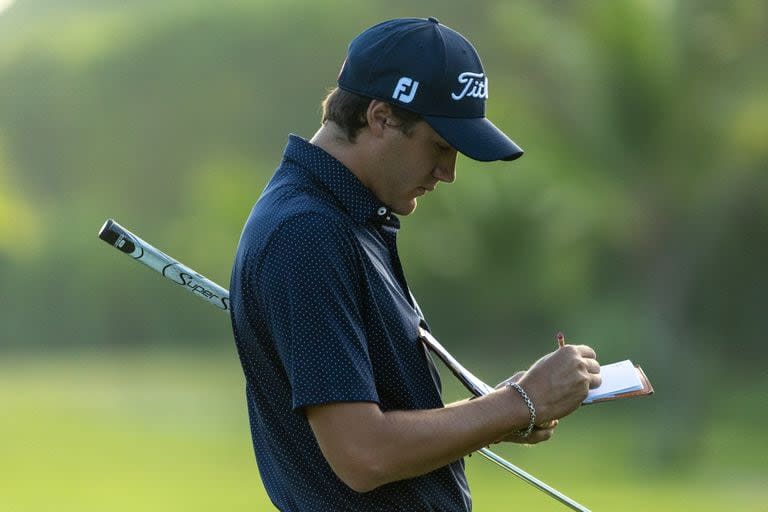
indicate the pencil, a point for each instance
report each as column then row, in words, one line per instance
column 560, row 339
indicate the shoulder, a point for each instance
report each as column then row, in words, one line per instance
column 296, row 224
column 300, row 239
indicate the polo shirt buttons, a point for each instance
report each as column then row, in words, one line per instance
column 382, row 211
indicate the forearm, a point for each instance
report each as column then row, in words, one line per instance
column 368, row 448
column 421, row 441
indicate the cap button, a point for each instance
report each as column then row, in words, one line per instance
column 433, row 20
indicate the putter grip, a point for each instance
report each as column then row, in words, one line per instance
column 145, row 253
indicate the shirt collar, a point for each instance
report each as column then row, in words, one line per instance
column 335, row 177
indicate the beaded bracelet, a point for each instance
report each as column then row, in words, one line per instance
column 531, row 409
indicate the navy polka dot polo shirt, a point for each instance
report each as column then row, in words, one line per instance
column 321, row 313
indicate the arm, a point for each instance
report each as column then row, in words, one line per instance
column 368, row 448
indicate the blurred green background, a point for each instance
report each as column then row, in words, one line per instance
column 637, row 222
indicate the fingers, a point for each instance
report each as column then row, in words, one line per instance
column 541, row 433
column 586, row 357
column 593, row 372
column 592, row 365
column 584, row 351
column 547, row 425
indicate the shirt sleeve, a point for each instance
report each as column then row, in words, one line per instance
column 309, row 287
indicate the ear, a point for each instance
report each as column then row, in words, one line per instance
column 378, row 115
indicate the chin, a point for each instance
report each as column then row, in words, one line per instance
column 405, row 209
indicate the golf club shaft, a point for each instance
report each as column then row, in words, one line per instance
column 480, row 388
column 143, row 252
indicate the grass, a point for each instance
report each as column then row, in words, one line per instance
column 168, row 431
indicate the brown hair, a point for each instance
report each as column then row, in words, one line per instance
column 348, row 110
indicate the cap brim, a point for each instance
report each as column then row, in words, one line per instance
column 477, row 138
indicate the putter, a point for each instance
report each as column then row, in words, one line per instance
column 116, row 235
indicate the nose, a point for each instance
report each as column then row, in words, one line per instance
column 446, row 169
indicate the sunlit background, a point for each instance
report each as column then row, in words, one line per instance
column 637, row 222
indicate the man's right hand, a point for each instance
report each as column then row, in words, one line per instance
column 558, row 382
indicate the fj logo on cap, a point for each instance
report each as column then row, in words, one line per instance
column 405, row 90
column 475, row 86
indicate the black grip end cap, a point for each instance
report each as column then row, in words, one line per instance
column 107, row 233
column 115, row 235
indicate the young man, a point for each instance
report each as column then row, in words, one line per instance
column 344, row 402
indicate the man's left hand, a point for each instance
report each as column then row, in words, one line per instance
column 539, row 434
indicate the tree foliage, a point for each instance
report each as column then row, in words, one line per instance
column 636, row 218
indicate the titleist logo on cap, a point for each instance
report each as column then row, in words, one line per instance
column 475, row 86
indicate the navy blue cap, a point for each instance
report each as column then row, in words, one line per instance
column 425, row 67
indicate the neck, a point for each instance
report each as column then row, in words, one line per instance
column 353, row 155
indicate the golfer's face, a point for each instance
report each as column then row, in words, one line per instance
column 416, row 163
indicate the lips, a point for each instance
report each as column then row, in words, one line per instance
column 420, row 191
